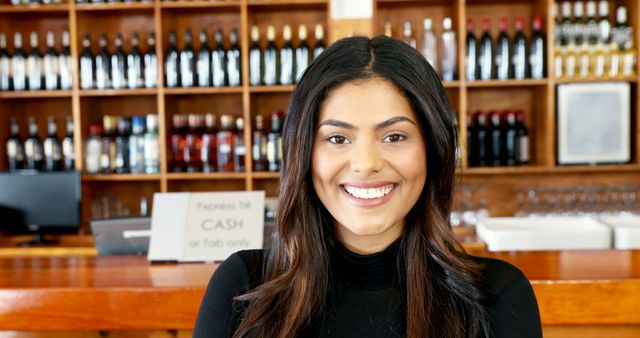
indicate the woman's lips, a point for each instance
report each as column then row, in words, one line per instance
column 368, row 202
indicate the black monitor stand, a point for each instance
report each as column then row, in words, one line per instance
column 38, row 240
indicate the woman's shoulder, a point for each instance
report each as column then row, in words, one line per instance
column 499, row 275
column 244, row 267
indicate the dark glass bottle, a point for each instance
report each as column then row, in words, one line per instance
column 118, row 65
column 194, row 144
column 219, row 61
column 52, row 147
column 18, row 65
column 503, row 53
column 234, row 64
column 209, row 150
column 274, row 143
column 171, row 64
column 179, row 143
column 5, row 64
column 271, row 65
column 87, row 69
column 320, row 46
column 239, row 149
column 224, row 140
column 471, row 59
column 259, row 146
column 493, row 139
column 519, row 60
column 50, row 64
column 103, row 68
column 122, row 146
column 471, row 141
column 286, row 58
column 203, row 63
column 255, row 58
column 135, row 66
column 578, row 23
column 64, row 63
column 151, row 145
column 486, row 52
column 68, row 149
column 34, row 64
column 508, row 143
column 522, row 140
column 108, row 146
column 302, row 56
column 481, row 149
column 537, row 64
column 151, row 63
column 187, row 61
column 33, row 152
column 15, row 150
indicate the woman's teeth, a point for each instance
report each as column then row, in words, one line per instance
column 371, row 193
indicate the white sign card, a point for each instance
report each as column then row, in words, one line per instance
column 208, row 226
column 351, row 9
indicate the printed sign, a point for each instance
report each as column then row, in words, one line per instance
column 205, row 226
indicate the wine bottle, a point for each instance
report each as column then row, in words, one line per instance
column 522, row 140
column 5, row 64
column 203, row 62
column 486, row 52
column 274, row 143
column 509, row 139
column 537, row 64
column 286, row 57
column 255, row 58
column 50, row 64
column 34, row 64
column 224, row 141
column 194, row 144
column 259, row 146
column 52, row 147
column 15, row 150
column 449, row 51
column 136, row 145
column 187, row 61
column 171, row 64
column 122, row 145
column 239, row 149
column 151, row 145
column 503, row 53
column 407, row 34
column 320, row 46
column 219, row 61
column 208, row 150
column 302, row 52
column 471, row 59
column 103, row 68
column 135, row 66
column 18, row 64
column 519, row 59
column 33, row 147
column 234, row 64
column 118, row 65
column 65, row 63
column 151, row 63
column 93, row 150
column 87, row 70
column 68, row 149
column 270, row 58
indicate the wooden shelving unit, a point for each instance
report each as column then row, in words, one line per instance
column 536, row 97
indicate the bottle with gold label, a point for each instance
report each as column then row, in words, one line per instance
column 570, row 62
column 628, row 59
column 583, row 56
column 598, row 61
column 613, row 60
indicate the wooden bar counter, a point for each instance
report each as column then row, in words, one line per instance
column 592, row 288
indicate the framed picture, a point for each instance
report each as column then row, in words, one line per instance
column 594, row 123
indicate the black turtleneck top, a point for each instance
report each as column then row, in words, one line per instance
column 366, row 300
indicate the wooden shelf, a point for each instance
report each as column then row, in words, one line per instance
column 118, row 6
column 271, row 89
column 507, row 83
column 623, row 79
column 206, row 176
column 285, row 2
column 118, row 92
column 524, row 170
column 34, row 8
column 201, row 91
column 451, row 84
column 35, row 94
column 265, row 175
column 200, row 4
column 119, row 177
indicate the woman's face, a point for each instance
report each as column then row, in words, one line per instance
column 368, row 162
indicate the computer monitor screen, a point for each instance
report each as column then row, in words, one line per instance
column 39, row 202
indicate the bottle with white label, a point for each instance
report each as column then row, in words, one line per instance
column 135, row 65
column 50, row 64
column 234, row 64
column 151, row 146
column 87, row 69
column 93, row 149
column 52, row 147
column 5, row 64
column 18, row 64
column 430, row 44
column 522, row 140
column 151, row 63
column 302, row 52
column 34, row 64
column 203, row 61
column 255, row 58
column 449, row 51
column 64, row 63
column 224, row 142
column 270, row 76
column 286, row 57
column 239, row 149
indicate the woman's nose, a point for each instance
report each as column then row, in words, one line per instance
column 366, row 157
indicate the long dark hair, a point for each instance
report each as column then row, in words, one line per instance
column 442, row 290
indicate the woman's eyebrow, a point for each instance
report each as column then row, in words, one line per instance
column 381, row 125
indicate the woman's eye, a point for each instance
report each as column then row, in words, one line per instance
column 394, row 138
column 337, row 139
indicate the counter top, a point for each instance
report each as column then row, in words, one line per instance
column 127, row 292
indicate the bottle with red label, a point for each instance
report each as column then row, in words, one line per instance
column 224, row 140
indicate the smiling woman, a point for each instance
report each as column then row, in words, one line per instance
column 364, row 245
